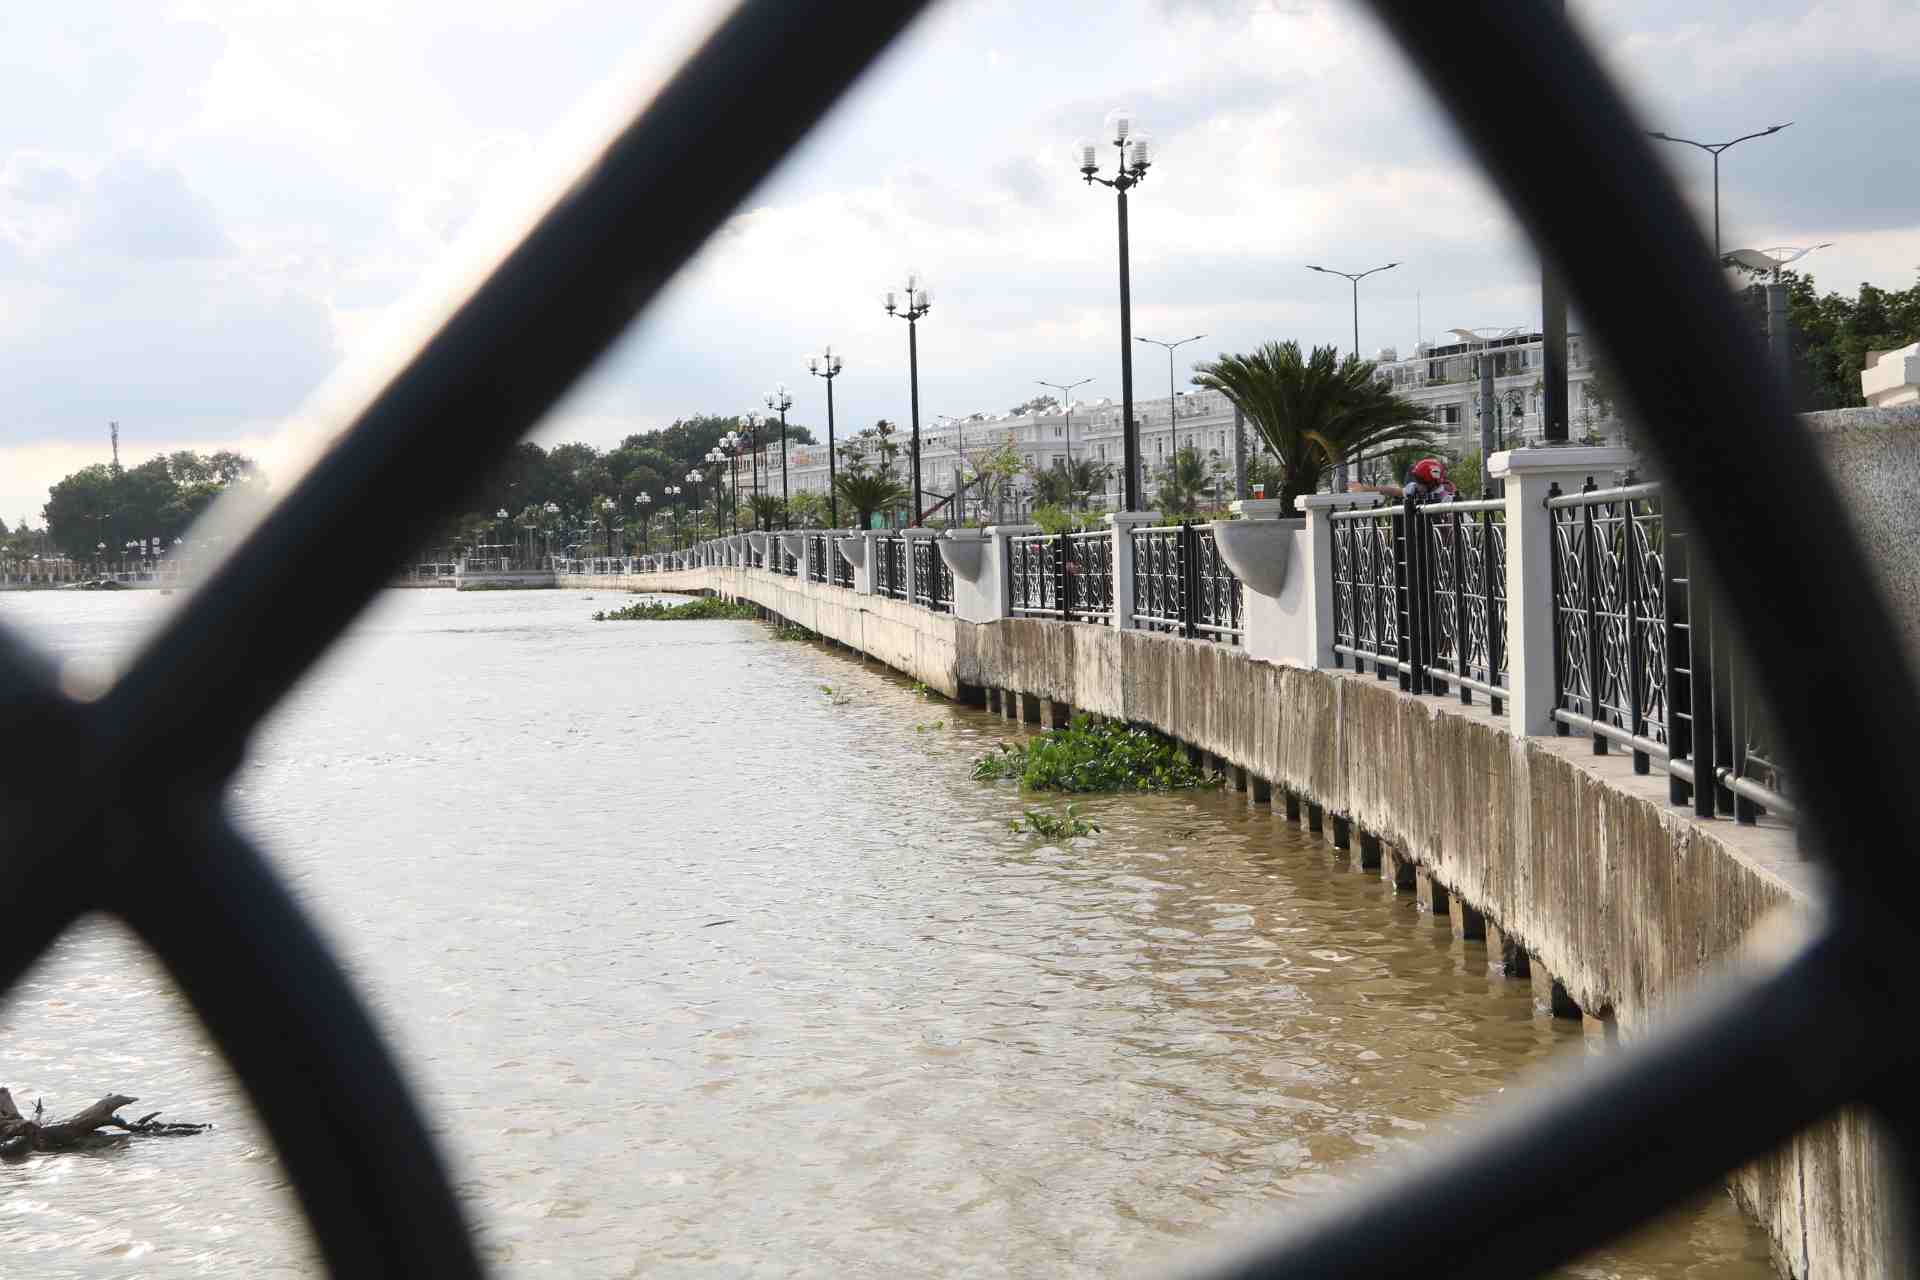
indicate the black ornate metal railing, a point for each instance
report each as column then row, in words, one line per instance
column 1638, row 661
column 818, row 551
column 1181, row 585
column 890, row 566
column 1065, row 576
column 1370, row 622
column 932, row 580
column 1465, row 578
column 1721, row 1084
column 840, row 570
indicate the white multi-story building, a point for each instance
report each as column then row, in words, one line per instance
column 1091, row 431
column 1444, row 379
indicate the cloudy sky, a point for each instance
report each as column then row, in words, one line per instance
column 210, row 207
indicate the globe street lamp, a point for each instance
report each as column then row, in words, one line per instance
column 550, row 511
column 827, row 365
column 750, row 423
column 694, row 478
column 1173, row 422
column 1354, row 278
column 731, row 443
column 714, row 457
column 607, row 505
column 1714, row 149
column 1135, row 154
column 672, row 491
column 644, row 501
column 910, row 304
column 779, row 401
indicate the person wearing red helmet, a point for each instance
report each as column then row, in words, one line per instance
column 1427, row 482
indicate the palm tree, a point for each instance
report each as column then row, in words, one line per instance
column 1182, row 480
column 870, row 491
column 1068, row 484
column 1314, row 411
column 767, row 511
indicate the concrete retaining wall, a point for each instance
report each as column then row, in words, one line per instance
column 1621, row 898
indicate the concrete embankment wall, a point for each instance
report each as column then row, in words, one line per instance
column 1617, row 898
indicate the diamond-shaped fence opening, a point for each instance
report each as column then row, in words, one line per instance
column 1548, row 1180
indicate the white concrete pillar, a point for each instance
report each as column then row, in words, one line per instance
column 1318, row 556
column 1123, row 523
column 1529, row 474
column 979, row 590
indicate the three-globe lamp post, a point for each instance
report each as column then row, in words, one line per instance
column 1134, row 155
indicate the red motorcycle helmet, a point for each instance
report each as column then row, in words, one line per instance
column 1429, row 471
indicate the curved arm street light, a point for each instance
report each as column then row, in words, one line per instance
column 1066, row 398
column 1354, row 278
column 1173, row 423
column 1714, row 149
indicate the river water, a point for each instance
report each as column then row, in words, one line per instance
column 710, row 959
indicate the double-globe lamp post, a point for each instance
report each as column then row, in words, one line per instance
column 780, row 401
column 672, row 491
column 910, row 305
column 827, row 365
column 694, row 478
column 1134, row 154
column 1354, row 278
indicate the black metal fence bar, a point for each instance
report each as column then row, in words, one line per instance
column 932, row 580
column 817, row 552
column 1033, row 583
column 890, row 568
column 1368, row 588
column 840, row 572
column 1465, row 581
column 1086, row 576
column 1215, row 595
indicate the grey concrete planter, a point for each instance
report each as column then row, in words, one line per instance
column 853, row 550
column 964, row 551
column 758, row 541
column 794, row 544
column 1256, row 551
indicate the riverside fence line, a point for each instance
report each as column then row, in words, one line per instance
column 1614, row 641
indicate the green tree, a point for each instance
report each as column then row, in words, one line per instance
column 808, row 510
column 1183, row 482
column 870, row 491
column 1068, row 484
column 1313, row 410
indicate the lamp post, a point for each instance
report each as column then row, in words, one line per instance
column 915, row 303
column 827, row 365
column 693, row 478
column 1353, row 277
column 1714, row 149
column 750, row 424
column 644, row 501
column 500, row 518
column 731, row 443
column 780, row 401
column 607, row 508
column 714, row 457
column 551, row 510
column 1173, row 422
column 1066, row 396
column 1135, row 154
column 672, row 491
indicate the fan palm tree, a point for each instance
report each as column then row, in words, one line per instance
column 1314, row 411
column 1067, row 484
column 870, row 491
column 767, row 511
column 1182, row 480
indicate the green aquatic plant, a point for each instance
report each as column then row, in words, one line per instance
column 1087, row 756
column 704, row 609
column 1055, row 826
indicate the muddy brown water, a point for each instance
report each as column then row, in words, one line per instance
column 710, row 959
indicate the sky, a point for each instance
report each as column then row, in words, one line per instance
column 216, row 214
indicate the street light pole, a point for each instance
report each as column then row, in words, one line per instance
column 827, row 365
column 1714, row 149
column 750, row 422
column 779, row 400
column 917, row 301
column 1066, row 396
column 1130, row 170
column 1173, row 423
column 1354, row 277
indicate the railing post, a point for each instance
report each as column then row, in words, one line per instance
column 1680, row 667
column 1123, row 523
column 1590, row 575
column 1460, row 610
column 1530, row 474
column 1189, row 577
column 1496, row 625
column 1062, row 584
column 1406, row 550
column 1321, row 531
column 1629, row 607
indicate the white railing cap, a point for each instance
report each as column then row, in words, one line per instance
column 1336, row 501
column 1130, row 518
column 1558, row 457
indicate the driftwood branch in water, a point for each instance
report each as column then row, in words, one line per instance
column 20, row 1136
